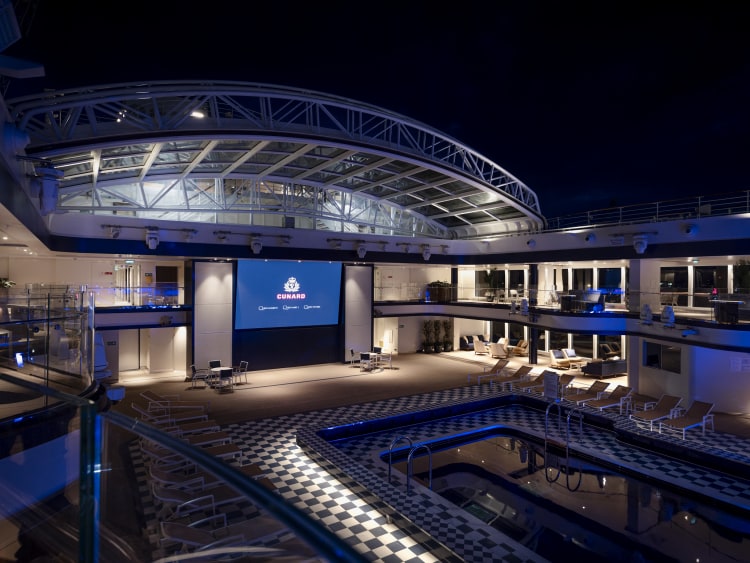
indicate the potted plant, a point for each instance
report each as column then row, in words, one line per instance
column 427, row 337
column 438, row 340
column 447, row 335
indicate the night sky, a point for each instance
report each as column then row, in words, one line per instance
column 591, row 104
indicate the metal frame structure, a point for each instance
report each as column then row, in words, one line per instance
column 259, row 155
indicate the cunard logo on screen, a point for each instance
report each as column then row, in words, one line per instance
column 291, row 290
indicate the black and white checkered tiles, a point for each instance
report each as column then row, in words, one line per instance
column 345, row 487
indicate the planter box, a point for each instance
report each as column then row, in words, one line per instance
column 605, row 368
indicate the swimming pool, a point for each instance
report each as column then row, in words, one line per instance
column 355, row 451
column 572, row 509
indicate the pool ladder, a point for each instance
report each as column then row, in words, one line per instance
column 572, row 413
column 409, row 459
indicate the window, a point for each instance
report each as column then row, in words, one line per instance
column 662, row 356
column 488, row 283
column 609, row 283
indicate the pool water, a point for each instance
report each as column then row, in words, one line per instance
column 574, row 509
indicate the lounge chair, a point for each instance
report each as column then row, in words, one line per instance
column 480, row 347
column 528, row 384
column 558, row 359
column 641, row 402
column 176, row 503
column 488, row 371
column 166, row 403
column 608, row 350
column 498, row 350
column 161, row 419
column 564, row 382
column 504, row 381
column 520, row 349
column 698, row 414
column 215, row 531
column 659, row 411
column 613, row 399
column 593, row 391
column 574, row 360
column 187, row 428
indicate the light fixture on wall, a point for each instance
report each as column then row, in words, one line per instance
column 114, row 231
column 361, row 251
column 221, row 236
column 426, row 252
column 646, row 314
column 667, row 316
column 152, row 238
column 640, row 243
column 256, row 245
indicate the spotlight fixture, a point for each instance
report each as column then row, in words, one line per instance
column 590, row 238
column 531, row 243
column 114, row 232
column 256, row 245
column 426, row 252
column 152, row 238
column 361, row 251
column 640, row 243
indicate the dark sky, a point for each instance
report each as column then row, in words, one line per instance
column 591, row 104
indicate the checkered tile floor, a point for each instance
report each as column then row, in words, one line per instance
column 345, row 487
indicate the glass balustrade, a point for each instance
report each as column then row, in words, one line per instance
column 82, row 483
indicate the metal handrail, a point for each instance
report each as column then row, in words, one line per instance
column 395, row 441
column 410, row 464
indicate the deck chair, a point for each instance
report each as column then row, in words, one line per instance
column 480, row 347
column 608, row 350
column 209, row 532
column 160, row 419
column 520, row 349
column 187, row 428
column 572, row 357
column 641, row 402
column 166, row 403
column 528, row 384
column 661, row 410
column 558, row 360
column 173, row 503
column 698, row 414
column 488, row 371
column 593, row 391
column 506, row 381
column 614, row 399
column 498, row 350
column 563, row 384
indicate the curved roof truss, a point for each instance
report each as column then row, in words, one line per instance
column 250, row 154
